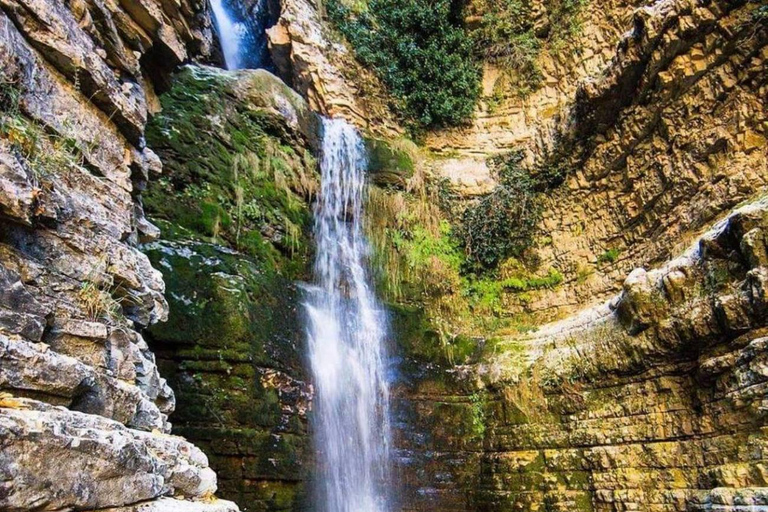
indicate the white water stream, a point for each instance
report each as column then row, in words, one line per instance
column 346, row 333
column 243, row 41
column 346, row 324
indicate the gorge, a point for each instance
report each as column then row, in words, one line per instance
column 396, row 256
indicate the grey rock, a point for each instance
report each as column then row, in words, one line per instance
column 53, row 458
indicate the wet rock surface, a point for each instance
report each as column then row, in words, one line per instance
column 235, row 217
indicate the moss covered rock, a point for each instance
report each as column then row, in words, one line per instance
column 388, row 165
column 233, row 205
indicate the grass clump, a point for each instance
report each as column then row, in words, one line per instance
column 99, row 304
column 421, row 53
column 43, row 152
column 609, row 256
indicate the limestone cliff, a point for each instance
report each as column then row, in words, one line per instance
column 84, row 411
column 654, row 126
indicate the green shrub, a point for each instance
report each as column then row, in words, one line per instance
column 421, row 53
column 503, row 224
column 609, row 256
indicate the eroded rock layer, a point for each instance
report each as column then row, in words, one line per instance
column 83, row 410
column 653, row 401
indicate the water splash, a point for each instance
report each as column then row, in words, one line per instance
column 346, row 331
column 242, row 34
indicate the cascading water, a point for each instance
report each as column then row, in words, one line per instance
column 242, row 35
column 346, row 331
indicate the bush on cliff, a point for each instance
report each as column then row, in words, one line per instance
column 503, row 224
column 513, row 33
column 420, row 51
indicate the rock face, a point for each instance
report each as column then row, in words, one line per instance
column 235, row 214
column 663, row 128
column 312, row 59
column 504, row 121
column 671, row 136
column 653, row 401
column 84, row 411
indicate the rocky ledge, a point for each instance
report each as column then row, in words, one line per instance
column 653, row 401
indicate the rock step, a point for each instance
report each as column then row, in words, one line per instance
column 54, row 458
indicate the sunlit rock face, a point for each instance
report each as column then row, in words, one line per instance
column 84, row 411
column 315, row 62
column 651, row 399
column 654, row 400
column 659, row 109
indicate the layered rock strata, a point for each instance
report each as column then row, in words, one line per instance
column 84, row 411
column 653, row 401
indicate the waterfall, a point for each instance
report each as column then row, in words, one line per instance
column 346, row 333
column 242, row 34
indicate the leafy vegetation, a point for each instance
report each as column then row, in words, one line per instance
column 609, row 256
column 420, row 51
column 420, row 251
column 503, row 224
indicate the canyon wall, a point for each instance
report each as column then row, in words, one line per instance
column 646, row 394
column 83, row 410
column 652, row 401
column 661, row 131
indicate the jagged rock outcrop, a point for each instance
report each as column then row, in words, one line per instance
column 84, row 411
column 653, row 401
column 41, row 443
column 312, row 59
column 673, row 135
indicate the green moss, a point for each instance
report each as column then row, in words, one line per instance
column 233, row 207
column 388, row 165
column 234, row 177
column 478, row 406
